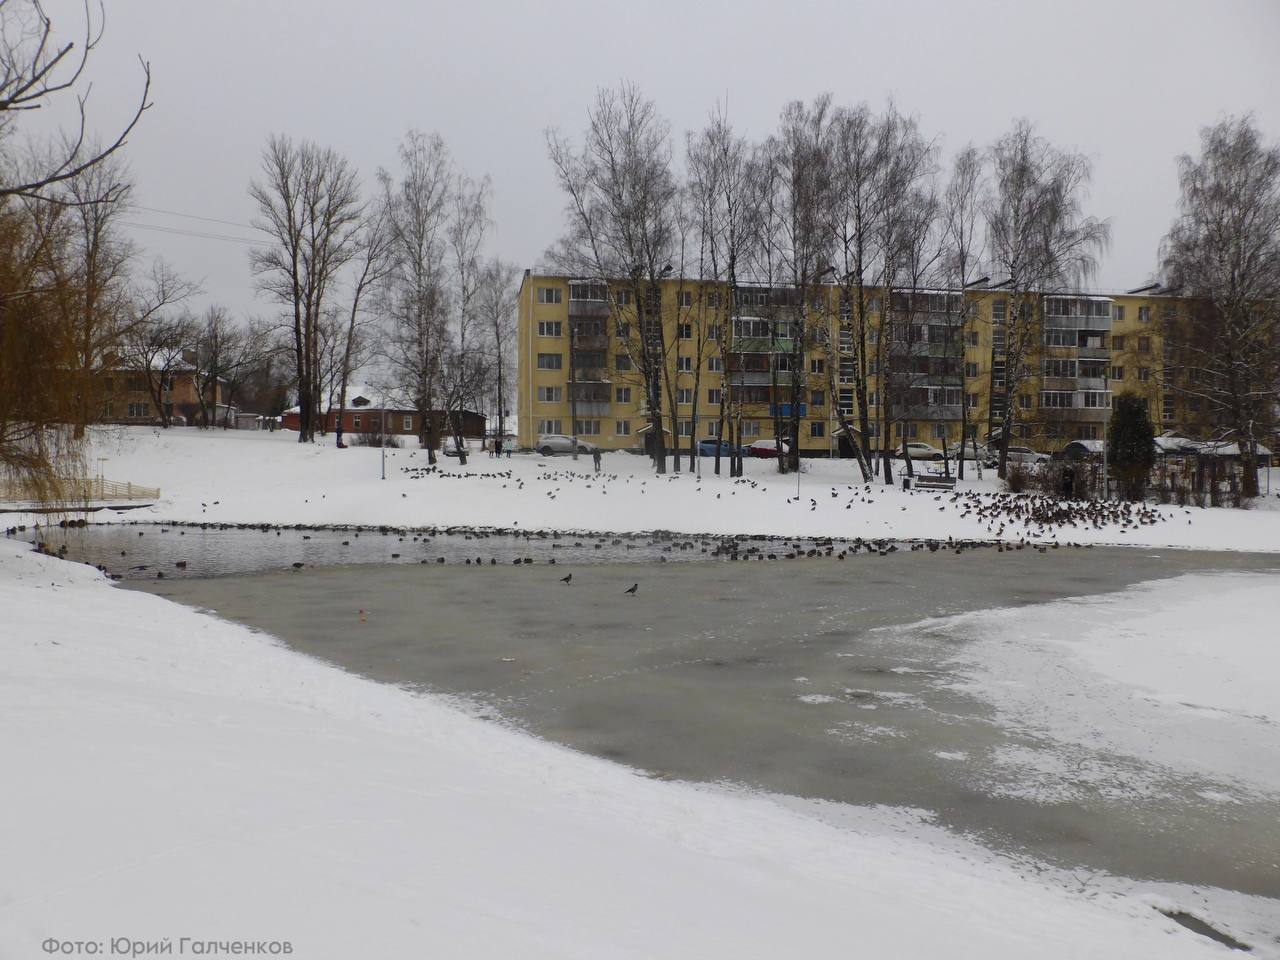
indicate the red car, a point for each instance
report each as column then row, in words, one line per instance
column 768, row 448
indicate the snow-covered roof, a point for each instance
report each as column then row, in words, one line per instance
column 365, row 396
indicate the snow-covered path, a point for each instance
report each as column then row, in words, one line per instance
column 171, row 775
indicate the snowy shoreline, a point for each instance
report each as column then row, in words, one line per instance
column 239, row 789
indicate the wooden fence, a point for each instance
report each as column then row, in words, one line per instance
column 73, row 490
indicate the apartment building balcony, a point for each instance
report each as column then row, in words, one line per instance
column 1092, row 383
column 1077, row 323
column 1090, row 414
column 939, row 411
column 784, row 409
column 591, row 408
column 1059, row 383
column 1094, row 353
column 753, row 378
column 588, row 308
column 589, row 375
column 762, row 345
column 591, row 341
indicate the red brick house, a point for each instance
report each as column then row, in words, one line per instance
column 365, row 409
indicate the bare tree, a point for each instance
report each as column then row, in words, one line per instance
column 620, row 228
column 417, row 301
column 962, row 253
column 720, row 183
column 37, row 71
column 309, row 204
column 374, row 262
column 154, row 340
column 226, row 355
column 1039, row 241
column 1224, row 252
column 496, row 308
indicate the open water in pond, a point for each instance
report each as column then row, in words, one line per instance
column 769, row 673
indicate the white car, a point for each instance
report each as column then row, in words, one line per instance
column 1024, row 455
column 923, row 451
column 552, row 443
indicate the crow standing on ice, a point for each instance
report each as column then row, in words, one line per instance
column 566, row 579
column 632, row 590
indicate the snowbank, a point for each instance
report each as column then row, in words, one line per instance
column 250, row 477
column 171, row 775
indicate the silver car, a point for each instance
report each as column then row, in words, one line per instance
column 552, row 443
column 1025, row 455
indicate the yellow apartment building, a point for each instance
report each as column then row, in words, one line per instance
column 943, row 358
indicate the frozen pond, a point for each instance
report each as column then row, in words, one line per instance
column 777, row 674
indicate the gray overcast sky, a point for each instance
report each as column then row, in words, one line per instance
column 1128, row 82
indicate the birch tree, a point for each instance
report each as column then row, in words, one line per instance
column 1224, row 252
column 620, row 228
column 1040, row 241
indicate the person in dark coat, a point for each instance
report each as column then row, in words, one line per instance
column 595, row 458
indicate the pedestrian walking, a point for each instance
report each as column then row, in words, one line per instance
column 595, row 458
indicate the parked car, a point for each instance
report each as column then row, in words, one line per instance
column 553, row 443
column 985, row 455
column 768, row 448
column 707, row 448
column 1024, row 455
column 449, row 447
column 923, row 451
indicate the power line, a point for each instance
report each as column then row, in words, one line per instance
column 179, row 232
column 192, row 216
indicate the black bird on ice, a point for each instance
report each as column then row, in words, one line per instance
column 633, row 588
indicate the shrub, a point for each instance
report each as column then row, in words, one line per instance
column 374, row 440
column 1132, row 445
column 1017, row 476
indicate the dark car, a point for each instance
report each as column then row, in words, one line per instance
column 707, row 448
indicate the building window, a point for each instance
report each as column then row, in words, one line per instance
column 622, row 298
column 750, row 429
column 972, row 337
column 587, row 428
column 715, row 364
column 1117, row 373
column 684, row 298
column 1167, row 409
column 549, row 361
column 684, row 364
column 138, row 411
column 973, row 401
column 845, row 402
column 684, row 331
column 971, row 370
column 818, row 398
column 940, row 431
column 817, row 428
column 684, row 396
column 1117, row 312
column 872, row 398
column 1144, row 344
column 997, row 311
column 549, row 294
column 355, row 422
column 1117, row 342
column 549, row 426
column 817, row 365
column 1024, row 401
column 1144, row 314
column 407, row 424
column 588, row 291
column 906, row 430
column 684, row 428
column 1144, row 374
column 713, row 396
column 549, row 328
column 622, row 428
column 622, row 362
column 550, row 394
column 1097, row 400
column 622, row 394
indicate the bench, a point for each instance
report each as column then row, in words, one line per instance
column 934, row 481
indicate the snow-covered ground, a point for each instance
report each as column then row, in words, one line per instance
column 250, row 477
column 171, row 775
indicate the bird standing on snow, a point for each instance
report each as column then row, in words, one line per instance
column 632, row 589
column 566, row 579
